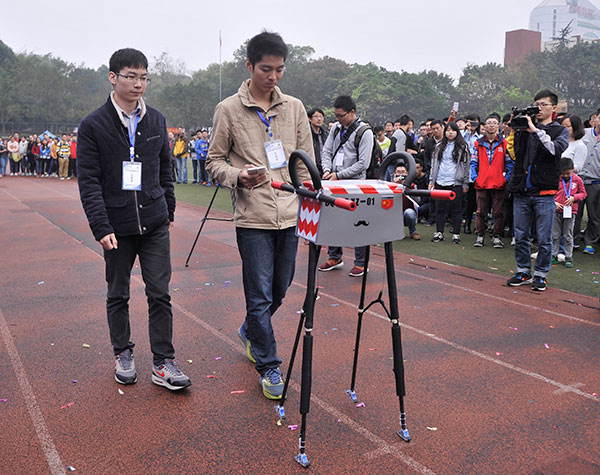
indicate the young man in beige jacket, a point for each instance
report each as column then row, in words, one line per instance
column 254, row 133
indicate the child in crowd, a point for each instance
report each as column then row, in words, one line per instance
column 409, row 206
column 570, row 191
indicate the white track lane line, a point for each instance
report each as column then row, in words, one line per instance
column 47, row 444
column 565, row 388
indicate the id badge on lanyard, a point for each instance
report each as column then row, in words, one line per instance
column 132, row 170
column 273, row 148
column 568, row 210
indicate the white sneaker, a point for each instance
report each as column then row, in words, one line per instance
column 512, row 241
column 560, row 257
column 534, row 255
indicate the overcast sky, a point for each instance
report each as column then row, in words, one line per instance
column 400, row 35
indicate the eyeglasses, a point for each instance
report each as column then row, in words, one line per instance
column 541, row 104
column 341, row 116
column 133, row 78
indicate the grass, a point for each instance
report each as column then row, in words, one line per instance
column 580, row 279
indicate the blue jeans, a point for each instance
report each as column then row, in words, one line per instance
column 195, row 167
column 268, row 265
column 181, row 169
column 3, row 163
column 360, row 254
column 540, row 209
column 410, row 220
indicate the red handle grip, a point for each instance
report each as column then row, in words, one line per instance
column 443, row 195
column 277, row 185
column 345, row 204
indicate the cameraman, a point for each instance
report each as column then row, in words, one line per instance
column 534, row 182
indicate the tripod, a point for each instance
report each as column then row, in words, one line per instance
column 203, row 221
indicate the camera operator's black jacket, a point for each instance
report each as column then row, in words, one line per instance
column 538, row 156
column 102, row 146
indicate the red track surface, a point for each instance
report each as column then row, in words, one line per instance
column 481, row 397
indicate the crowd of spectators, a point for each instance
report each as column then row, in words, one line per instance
column 46, row 156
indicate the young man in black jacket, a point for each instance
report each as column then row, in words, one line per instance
column 534, row 183
column 126, row 189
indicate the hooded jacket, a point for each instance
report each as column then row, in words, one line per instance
column 537, row 160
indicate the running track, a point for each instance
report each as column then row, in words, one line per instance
column 499, row 380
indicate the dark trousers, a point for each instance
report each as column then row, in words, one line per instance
column 360, row 254
column 508, row 213
column 445, row 207
column 483, row 198
column 469, row 203
column 153, row 250
column 72, row 167
column 203, row 173
column 268, row 266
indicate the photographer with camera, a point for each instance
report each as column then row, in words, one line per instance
column 534, row 183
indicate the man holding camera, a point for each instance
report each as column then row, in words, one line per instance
column 534, row 183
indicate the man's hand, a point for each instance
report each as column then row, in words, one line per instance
column 532, row 129
column 330, row 176
column 559, row 207
column 109, row 242
column 570, row 200
column 171, row 224
column 430, row 187
column 465, row 188
column 248, row 180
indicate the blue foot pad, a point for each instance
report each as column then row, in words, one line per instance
column 302, row 459
column 352, row 395
column 280, row 411
column 404, row 435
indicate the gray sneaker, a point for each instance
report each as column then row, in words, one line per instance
column 249, row 350
column 478, row 241
column 125, row 368
column 497, row 242
column 272, row 383
column 170, row 376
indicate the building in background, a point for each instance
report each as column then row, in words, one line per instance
column 550, row 17
column 519, row 44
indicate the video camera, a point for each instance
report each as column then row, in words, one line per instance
column 519, row 120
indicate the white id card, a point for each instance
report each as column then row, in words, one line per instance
column 567, row 211
column 132, row 176
column 275, row 154
column 339, row 158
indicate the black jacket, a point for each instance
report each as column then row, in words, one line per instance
column 538, row 155
column 317, row 146
column 102, row 147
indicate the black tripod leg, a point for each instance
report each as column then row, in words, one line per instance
column 396, row 338
column 279, row 407
column 202, row 225
column 307, row 347
column 361, row 310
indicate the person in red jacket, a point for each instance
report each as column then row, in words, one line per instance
column 73, row 157
column 571, row 191
column 490, row 171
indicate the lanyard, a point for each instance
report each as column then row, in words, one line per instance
column 267, row 123
column 131, row 134
column 568, row 193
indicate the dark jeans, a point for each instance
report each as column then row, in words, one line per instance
column 72, row 167
column 592, row 230
column 483, row 197
column 204, row 176
column 195, row 167
column 530, row 210
column 153, row 250
column 469, row 203
column 508, row 213
column 445, row 207
column 268, row 265
column 360, row 253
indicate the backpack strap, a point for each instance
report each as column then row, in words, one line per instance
column 349, row 131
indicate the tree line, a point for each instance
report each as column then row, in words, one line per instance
column 42, row 88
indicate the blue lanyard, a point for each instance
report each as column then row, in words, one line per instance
column 131, row 134
column 267, row 123
column 568, row 193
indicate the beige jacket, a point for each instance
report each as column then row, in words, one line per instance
column 239, row 136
